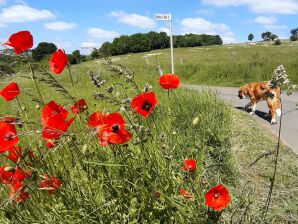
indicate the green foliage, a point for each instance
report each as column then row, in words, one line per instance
column 250, row 37
column 140, row 42
column 75, row 57
column 294, row 34
column 266, row 36
column 277, row 42
column 42, row 50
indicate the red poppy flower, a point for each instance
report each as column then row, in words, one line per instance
column 58, row 61
column 50, row 144
column 49, row 183
column 185, row 193
column 79, row 107
column 189, row 165
column 96, row 119
column 217, row 198
column 20, row 41
column 14, row 153
column 10, row 91
column 20, row 175
column 111, row 128
column 169, row 81
column 144, row 103
column 6, row 176
column 53, row 119
column 17, row 193
column 8, row 134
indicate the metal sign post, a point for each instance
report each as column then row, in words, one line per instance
column 168, row 17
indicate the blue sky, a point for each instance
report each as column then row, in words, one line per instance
column 84, row 24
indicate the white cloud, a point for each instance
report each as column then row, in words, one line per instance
column 265, row 20
column 164, row 29
column 134, row 19
column 257, row 6
column 206, row 12
column 99, row 33
column 23, row 13
column 276, row 27
column 202, row 26
column 90, row 45
column 59, row 26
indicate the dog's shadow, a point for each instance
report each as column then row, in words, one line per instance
column 260, row 114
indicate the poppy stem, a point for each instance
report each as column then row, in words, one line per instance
column 33, row 77
column 71, row 79
column 168, row 93
column 272, row 179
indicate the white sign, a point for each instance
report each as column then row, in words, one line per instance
column 163, row 17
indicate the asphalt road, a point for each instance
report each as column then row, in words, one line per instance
column 289, row 131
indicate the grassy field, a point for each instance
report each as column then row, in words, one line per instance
column 120, row 184
column 227, row 65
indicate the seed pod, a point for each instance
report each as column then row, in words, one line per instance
column 9, row 169
column 195, row 121
column 85, row 147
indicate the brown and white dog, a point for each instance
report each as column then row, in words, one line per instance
column 256, row 91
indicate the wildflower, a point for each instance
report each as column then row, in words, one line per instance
column 185, row 193
column 217, row 198
column 8, row 134
column 50, row 143
column 10, row 91
column 79, row 106
column 6, row 174
column 279, row 77
column 189, row 165
column 20, row 41
column 144, row 103
column 53, row 119
column 110, row 128
column 14, row 153
column 169, row 81
column 17, row 193
column 49, row 183
column 58, row 61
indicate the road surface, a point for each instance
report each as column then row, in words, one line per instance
column 289, row 132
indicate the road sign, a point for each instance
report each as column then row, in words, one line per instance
column 167, row 17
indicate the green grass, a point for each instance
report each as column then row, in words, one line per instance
column 117, row 184
column 227, row 65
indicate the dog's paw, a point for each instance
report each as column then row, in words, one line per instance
column 252, row 113
column 273, row 122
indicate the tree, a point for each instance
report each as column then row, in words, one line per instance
column 94, row 54
column 75, row 57
column 42, row 50
column 294, row 35
column 273, row 36
column 251, row 37
column 266, row 36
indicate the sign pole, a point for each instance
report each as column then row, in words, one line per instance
column 168, row 17
column 172, row 47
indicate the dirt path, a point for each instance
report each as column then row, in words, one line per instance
column 290, row 113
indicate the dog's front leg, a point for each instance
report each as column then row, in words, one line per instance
column 253, row 105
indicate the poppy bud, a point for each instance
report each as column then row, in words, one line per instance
column 37, row 106
column 9, row 169
column 23, row 108
column 195, row 121
column 174, row 133
column 85, row 147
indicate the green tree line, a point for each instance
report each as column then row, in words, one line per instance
column 142, row 42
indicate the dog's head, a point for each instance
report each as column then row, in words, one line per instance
column 243, row 92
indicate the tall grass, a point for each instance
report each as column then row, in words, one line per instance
column 135, row 183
